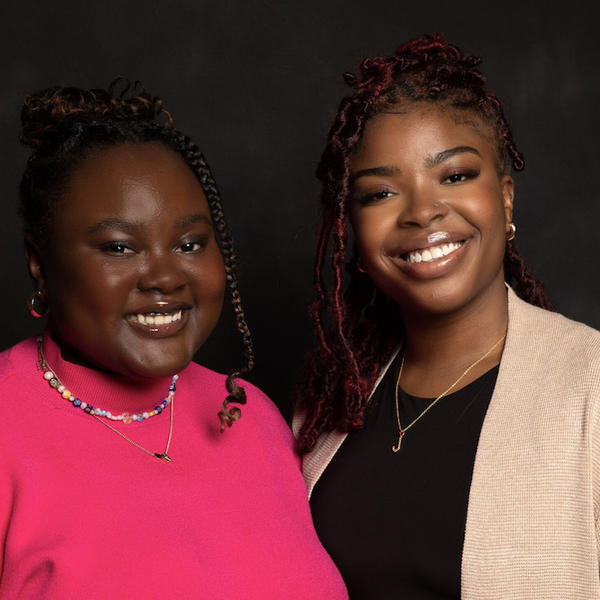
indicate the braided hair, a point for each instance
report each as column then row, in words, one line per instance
column 64, row 124
column 356, row 325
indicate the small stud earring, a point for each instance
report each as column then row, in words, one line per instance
column 360, row 266
column 41, row 310
column 512, row 232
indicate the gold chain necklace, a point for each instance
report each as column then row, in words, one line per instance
column 161, row 456
column 402, row 431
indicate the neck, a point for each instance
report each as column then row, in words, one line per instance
column 439, row 347
column 108, row 391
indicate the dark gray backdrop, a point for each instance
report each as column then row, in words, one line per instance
column 256, row 85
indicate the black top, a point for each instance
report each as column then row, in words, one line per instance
column 394, row 523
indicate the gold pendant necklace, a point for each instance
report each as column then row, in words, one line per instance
column 161, row 456
column 402, row 431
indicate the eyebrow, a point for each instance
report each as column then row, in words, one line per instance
column 133, row 226
column 388, row 171
column 191, row 219
column 440, row 157
column 119, row 224
column 430, row 162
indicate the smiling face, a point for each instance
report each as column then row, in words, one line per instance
column 133, row 276
column 430, row 211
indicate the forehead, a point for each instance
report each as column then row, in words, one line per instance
column 419, row 131
column 131, row 180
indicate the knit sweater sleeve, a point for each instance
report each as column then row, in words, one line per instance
column 6, row 482
column 594, row 438
column 596, row 478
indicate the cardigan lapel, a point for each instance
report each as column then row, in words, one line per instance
column 314, row 463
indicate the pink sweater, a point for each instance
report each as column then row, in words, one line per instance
column 85, row 514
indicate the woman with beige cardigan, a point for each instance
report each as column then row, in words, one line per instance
column 448, row 424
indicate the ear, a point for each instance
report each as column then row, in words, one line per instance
column 508, row 193
column 34, row 264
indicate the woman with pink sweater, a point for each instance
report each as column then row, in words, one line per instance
column 115, row 481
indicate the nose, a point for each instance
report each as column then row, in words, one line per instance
column 161, row 272
column 422, row 207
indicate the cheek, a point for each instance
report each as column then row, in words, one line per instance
column 485, row 210
column 78, row 287
column 371, row 227
column 209, row 281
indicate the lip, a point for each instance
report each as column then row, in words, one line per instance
column 436, row 268
column 424, row 241
column 164, row 329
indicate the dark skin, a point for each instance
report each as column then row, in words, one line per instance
column 431, row 214
column 133, row 275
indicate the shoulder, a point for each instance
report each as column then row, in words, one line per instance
column 213, row 379
column 259, row 408
column 17, row 359
column 541, row 341
column 19, row 392
column 541, row 326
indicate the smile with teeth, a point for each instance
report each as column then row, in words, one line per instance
column 156, row 318
column 431, row 253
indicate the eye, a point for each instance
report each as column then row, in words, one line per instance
column 381, row 195
column 460, row 176
column 456, row 178
column 192, row 246
column 369, row 197
column 117, row 248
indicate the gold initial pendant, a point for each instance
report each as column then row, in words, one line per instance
column 397, row 446
column 163, row 456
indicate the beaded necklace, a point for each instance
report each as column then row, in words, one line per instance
column 55, row 383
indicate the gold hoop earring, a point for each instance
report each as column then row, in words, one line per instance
column 512, row 232
column 39, row 311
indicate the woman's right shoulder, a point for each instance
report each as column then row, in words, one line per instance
column 18, row 359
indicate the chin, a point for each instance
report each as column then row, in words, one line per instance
column 148, row 370
column 159, row 367
column 433, row 300
column 160, row 357
column 158, row 362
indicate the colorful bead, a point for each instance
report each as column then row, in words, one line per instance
column 56, row 384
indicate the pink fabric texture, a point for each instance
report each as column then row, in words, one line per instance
column 85, row 514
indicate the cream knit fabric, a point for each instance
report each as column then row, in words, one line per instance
column 532, row 521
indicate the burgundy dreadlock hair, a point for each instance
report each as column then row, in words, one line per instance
column 356, row 325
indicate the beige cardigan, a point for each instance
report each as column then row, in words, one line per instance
column 532, row 529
